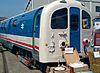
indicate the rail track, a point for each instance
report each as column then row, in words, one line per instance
column 5, row 66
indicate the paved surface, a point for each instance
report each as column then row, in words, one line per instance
column 14, row 66
column 1, row 64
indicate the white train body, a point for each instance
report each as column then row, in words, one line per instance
column 54, row 37
column 62, row 23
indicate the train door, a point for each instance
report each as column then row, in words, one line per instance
column 36, row 34
column 75, row 28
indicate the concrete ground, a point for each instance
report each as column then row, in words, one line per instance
column 14, row 66
column 1, row 64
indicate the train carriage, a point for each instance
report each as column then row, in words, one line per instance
column 42, row 33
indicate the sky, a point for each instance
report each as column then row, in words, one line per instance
column 10, row 8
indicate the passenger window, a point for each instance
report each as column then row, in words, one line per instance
column 59, row 19
column 86, row 20
column 14, row 23
column 74, row 22
column 2, row 26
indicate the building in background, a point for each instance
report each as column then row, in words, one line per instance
column 2, row 18
column 36, row 3
column 93, row 5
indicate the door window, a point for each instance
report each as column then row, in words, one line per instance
column 74, row 22
column 74, row 19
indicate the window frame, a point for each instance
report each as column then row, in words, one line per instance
column 63, row 16
column 85, row 19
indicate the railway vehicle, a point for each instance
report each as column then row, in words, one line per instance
column 96, row 31
column 39, row 36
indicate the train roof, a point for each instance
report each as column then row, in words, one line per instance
column 36, row 9
column 66, row 2
column 33, row 10
column 70, row 2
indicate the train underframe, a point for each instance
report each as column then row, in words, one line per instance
column 29, row 61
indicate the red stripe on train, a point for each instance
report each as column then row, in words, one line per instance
column 22, row 43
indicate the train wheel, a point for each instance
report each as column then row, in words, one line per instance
column 14, row 50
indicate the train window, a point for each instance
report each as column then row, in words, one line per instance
column 86, row 20
column 14, row 23
column 23, row 15
column 2, row 26
column 74, row 22
column 59, row 19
